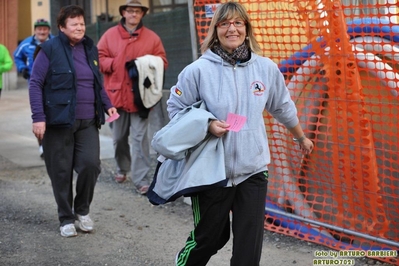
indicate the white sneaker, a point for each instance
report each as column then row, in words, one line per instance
column 68, row 230
column 41, row 151
column 85, row 223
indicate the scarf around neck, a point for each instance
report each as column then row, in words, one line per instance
column 241, row 54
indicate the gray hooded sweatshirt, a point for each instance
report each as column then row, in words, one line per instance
column 246, row 89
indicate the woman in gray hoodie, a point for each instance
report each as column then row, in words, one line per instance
column 231, row 78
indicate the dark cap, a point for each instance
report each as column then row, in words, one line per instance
column 41, row 22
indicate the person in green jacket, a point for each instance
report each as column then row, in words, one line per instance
column 5, row 63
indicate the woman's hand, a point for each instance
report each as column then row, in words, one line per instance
column 306, row 146
column 112, row 111
column 39, row 128
column 218, row 128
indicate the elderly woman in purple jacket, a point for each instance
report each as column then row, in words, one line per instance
column 68, row 106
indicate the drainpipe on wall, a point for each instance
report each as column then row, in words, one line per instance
column 193, row 31
column 106, row 11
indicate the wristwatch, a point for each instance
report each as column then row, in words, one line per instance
column 299, row 140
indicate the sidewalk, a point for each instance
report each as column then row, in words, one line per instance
column 17, row 142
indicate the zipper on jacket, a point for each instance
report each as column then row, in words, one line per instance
column 233, row 165
column 234, row 139
column 236, row 64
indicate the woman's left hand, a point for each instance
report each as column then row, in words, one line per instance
column 306, row 146
column 112, row 111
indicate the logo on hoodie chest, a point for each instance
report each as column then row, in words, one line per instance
column 258, row 88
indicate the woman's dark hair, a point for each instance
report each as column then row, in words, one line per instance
column 66, row 12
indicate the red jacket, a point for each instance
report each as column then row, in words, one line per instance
column 116, row 47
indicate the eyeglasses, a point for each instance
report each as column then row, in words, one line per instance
column 226, row 24
column 134, row 11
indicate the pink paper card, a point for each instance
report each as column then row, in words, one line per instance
column 112, row 117
column 236, row 121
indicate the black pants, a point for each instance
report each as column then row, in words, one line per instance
column 211, row 211
column 67, row 150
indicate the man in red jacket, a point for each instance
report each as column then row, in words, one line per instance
column 118, row 46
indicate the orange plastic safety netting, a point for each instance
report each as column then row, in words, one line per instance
column 341, row 64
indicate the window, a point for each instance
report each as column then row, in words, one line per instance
column 157, row 6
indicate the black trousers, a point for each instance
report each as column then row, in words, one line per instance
column 67, row 150
column 211, row 211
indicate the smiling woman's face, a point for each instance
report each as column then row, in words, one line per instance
column 75, row 29
column 231, row 33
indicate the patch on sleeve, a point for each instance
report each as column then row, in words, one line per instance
column 178, row 92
